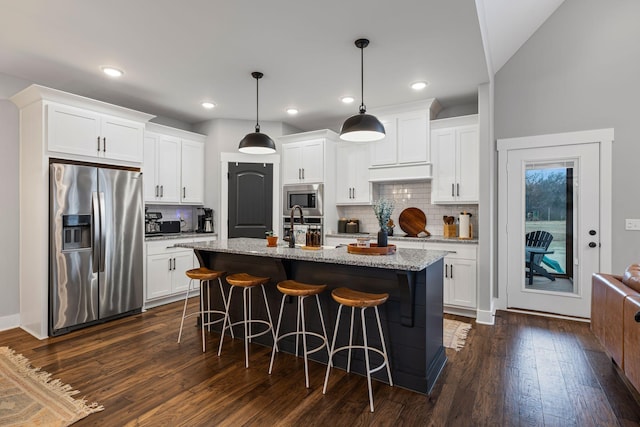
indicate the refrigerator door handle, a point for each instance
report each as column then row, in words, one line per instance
column 103, row 234
column 96, row 232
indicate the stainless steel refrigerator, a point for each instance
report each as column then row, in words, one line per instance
column 96, row 238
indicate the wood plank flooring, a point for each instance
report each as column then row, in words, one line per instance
column 524, row 371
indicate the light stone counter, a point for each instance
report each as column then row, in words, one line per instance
column 403, row 259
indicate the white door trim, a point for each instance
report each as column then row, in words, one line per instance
column 604, row 137
column 225, row 158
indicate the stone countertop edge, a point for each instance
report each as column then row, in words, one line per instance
column 403, row 259
column 432, row 238
column 182, row 235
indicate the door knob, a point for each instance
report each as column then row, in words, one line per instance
column 592, row 244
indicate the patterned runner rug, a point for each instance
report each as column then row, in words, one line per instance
column 454, row 333
column 28, row 396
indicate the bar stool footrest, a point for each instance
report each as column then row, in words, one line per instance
column 315, row 334
column 241, row 322
column 352, row 347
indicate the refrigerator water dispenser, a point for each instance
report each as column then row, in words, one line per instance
column 76, row 231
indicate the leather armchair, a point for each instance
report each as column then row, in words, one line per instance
column 614, row 305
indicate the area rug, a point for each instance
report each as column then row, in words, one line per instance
column 28, row 396
column 454, row 333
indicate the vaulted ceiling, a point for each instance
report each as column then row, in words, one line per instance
column 176, row 54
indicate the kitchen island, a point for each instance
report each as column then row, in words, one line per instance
column 411, row 318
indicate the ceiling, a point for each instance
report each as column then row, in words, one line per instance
column 176, row 54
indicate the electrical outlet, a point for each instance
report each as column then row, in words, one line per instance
column 632, row 224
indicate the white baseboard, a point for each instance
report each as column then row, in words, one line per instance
column 486, row 317
column 9, row 322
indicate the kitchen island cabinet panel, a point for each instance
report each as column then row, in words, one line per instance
column 411, row 318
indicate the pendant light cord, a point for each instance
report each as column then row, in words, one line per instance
column 363, row 109
column 257, row 103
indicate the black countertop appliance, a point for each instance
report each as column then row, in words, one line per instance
column 205, row 220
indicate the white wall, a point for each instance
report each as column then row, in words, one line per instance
column 223, row 136
column 580, row 71
column 9, row 215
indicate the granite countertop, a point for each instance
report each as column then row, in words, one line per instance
column 172, row 236
column 403, row 259
column 403, row 237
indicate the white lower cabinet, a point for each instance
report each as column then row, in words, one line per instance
column 165, row 269
column 459, row 275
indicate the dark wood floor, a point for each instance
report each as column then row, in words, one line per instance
column 525, row 370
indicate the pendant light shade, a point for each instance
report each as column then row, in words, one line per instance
column 256, row 142
column 362, row 126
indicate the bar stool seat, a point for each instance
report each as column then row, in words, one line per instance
column 204, row 276
column 362, row 300
column 301, row 291
column 247, row 282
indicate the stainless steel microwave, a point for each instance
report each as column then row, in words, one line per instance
column 307, row 196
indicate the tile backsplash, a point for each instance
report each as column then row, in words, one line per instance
column 415, row 194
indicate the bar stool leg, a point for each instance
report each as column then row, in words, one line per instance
column 366, row 357
column 202, row 286
column 247, row 327
column 304, row 342
column 384, row 347
column 298, row 328
column 224, row 322
column 273, row 351
column 350, row 341
column 184, row 310
column 266, row 305
column 324, row 329
column 333, row 346
column 224, row 301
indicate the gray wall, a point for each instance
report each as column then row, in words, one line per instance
column 580, row 71
column 9, row 214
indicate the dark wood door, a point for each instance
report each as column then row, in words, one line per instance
column 250, row 199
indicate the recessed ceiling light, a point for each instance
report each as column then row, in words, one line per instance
column 419, row 85
column 208, row 105
column 347, row 99
column 292, row 111
column 111, row 71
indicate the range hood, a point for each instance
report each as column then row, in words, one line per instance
column 393, row 173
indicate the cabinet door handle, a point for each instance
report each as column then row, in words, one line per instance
column 104, row 144
column 451, row 272
column 458, row 189
column 446, row 271
column 452, row 189
column 184, row 192
column 98, row 144
column 157, row 189
column 169, row 264
column 302, row 173
column 162, row 191
column 353, row 191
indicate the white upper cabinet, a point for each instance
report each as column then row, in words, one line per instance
column 455, row 153
column 352, row 183
column 82, row 132
column 161, row 168
column 403, row 154
column 303, row 162
column 192, row 172
column 173, row 166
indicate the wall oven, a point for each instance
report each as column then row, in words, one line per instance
column 308, row 197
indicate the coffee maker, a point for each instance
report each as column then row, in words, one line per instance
column 205, row 220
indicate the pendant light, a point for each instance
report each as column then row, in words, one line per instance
column 257, row 143
column 362, row 126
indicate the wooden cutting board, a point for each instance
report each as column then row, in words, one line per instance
column 413, row 221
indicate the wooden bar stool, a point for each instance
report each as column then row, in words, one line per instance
column 302, row 291
column 350, row 298
column 204, row 275
column 247, row 282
